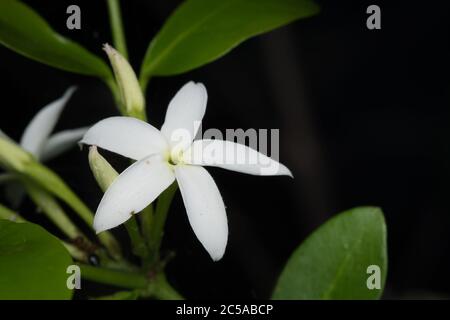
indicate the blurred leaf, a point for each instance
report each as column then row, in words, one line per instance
column 332, row 262
column 200, row 31
column 51, row 208
column 55, row 185
column 33, row 263
column 24, row 31
column 14, row 158
column 8, row 214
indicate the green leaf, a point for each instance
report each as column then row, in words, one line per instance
column 33, row 263
column 332, row 262
column 24, row 31
column 200, row 31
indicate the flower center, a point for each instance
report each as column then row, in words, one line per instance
column 172, row 162
column 175, row 157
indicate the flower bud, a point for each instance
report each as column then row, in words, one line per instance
column 103, row 172
column 132, row 99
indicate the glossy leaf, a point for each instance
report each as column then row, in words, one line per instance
column 333, row 262
column 200, row 31
column 24, row 31
column 33, row 263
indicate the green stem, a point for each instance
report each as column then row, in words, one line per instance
column 143, row 81
column 49, row 180
column 146, row 217
column 75, row 252
column 137, row 242
column 119, row 295
column 157, row 287
column 52, row 210
column 161, row 289
column 159, row 220
column 115, row 20
column 113, row 277
column 106, row 238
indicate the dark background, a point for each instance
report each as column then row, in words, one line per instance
column 363, row 116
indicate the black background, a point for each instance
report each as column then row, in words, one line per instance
column 363, row 116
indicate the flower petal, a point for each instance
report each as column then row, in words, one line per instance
column 60, row 142
column 184, row 114
column 126, row 136
column 43, row 123
column 233, row 156
column 205, row 208
column 132, row 191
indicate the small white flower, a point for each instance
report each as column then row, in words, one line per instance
column 37, row 138
column 163, row 157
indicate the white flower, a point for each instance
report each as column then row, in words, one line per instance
column 37, row 138
column 169, row 154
